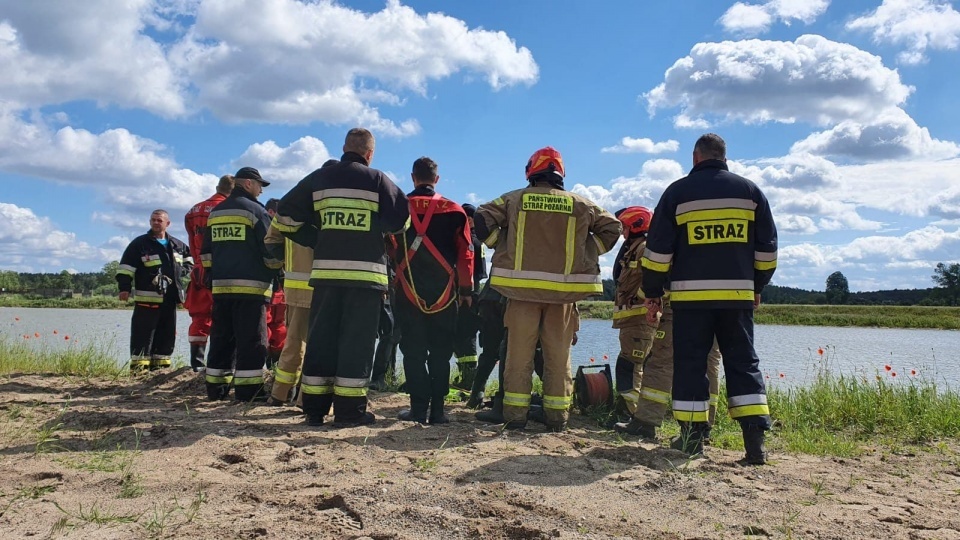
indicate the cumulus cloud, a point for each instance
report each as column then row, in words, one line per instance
column 917, row 24
column 295, row 62
column 644, row 189
column 285, row 165
column 29, row 242
column 891, row 135
column 753, row 19
column 912, row 188
column 629, row 145
column 812, row 80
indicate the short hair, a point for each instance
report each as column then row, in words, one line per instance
column 272, row 204
column 359, row 140
column 225, row 185
column 161, row 211
column 711, row 146
column 425, row 170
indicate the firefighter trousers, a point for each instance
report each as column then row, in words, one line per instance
column 554, row 325
column 199, row 304
column 636, row 339
column 339, row 355
column 291, row 358
column 277, row 323
column 153, row 331
column 239, row 330
column 491, row 336
column 427, row 344
column 694, row 331
column 385, row 356
column 465, row 342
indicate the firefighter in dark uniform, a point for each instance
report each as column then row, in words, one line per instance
column 434, row 262
column 714, row 240
column 241, row 272
column 153, row 268
column 343, row 211
column 388, row 339
column 490, row 307
column 468, row 319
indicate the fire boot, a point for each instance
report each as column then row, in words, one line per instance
column 468, row 373
column 495, row 414
column 437, row 415
column 690, row 441
column 753, row 438
column 636, row 427
column 196, row 357
column 408, row 415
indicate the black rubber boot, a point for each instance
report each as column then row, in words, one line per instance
column 196, row 357
column 638, row 428
column 495, row 414
column 408, row 415
column 690, row 441
column 753, row 439
column 476, row 400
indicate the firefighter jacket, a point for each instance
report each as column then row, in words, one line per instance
column 297, row 263
column 479, row 261
column 144, row 258
column 628, row 274
column 195, row 222
column 548, row 242
column 349, row 207
column 234, row 255
column 434, row 257
column 712, row 239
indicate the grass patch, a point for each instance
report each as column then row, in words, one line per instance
column 81, row 361
column 86, row 302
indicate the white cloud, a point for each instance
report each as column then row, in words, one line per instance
column 629, row 145
column 27, row 239
column 753, row 19
column 890, row 135
column 811, row 79
column 286, row 166
column 643, row 190
column 917, row 24
column 294, row 62
column 912, row 188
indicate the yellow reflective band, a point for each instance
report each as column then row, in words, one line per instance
column 749, row 410
column 714, row 399
column 521, row 224
column 711, row 215
column 247, row 381
column 718, row 294
column 556, row 402
column 346, row 391
column 546, row 202
column 338, row 202
column 206, row 263
column 655, row 266
column 498, row 201
column 570, row 245
column 629, row 312
column 630, row 395
column 286, row 377
column 154, row 262
column 351, row 275
column 656, row 396
column 513, row 399
column 600, row 246
column 213, row 379
column 139, row 361
column 521, row 283
column 763, row 265
column 124, row 272
column 296, row 284
column 257, row 291
column 147, row 299
column 471, row 359
column 285, row 228
column 491, row 240
column 160, row 361
column 690, row 416
column 317, row 390
column 232, row 220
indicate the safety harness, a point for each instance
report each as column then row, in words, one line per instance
column 422, row 240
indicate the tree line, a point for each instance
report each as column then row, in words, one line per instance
column 98, row 283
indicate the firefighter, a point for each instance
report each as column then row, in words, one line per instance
column 388, row 339
column 490, row 308
column 434, row 262
column 240, row 271
column 153, row 267
column 714, row 240
column 199, row 302
column 350, row 207
column 468, row 318
column 277, row 309
column 548, row 242
column 629, row 316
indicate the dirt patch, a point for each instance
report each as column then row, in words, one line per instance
column 152, row 458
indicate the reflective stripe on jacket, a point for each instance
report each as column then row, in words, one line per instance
column 628, row 301
column 142, row 259
column 297, row 264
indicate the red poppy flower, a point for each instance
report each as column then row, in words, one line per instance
column 605, row 357
column 913, row 373
column 593, row 359
column 66, row 337
column 782, row 376
column 16, row 318
column 55, row 332
column 820, row 351
column 36, row 334
column 887, row 367
column 893, row 373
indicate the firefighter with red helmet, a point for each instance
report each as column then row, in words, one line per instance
column 199, row 302
column 629, row 316
column 548, row 243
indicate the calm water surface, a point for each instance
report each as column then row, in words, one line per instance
column 788, row 354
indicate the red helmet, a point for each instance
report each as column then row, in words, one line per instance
column 635, row 219
column 545, row 159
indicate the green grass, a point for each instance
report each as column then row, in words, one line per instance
column 81, row 361
column 934, row 317
column 87, row 302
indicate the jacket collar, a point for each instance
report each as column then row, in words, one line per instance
column 242, row 193
column 710, row 164
column 423, row 190
column 354, row 157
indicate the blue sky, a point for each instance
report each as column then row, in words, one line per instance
column 844, row 112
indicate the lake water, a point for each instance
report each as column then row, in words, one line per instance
column 788, row 354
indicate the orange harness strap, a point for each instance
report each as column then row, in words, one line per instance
column 403, row 267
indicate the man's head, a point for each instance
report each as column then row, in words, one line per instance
column 271, row 206
column 159, row 221
column 709, row 146
column 360, row 141
column 249, row 180
column 225, row 185
column 424, row 172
